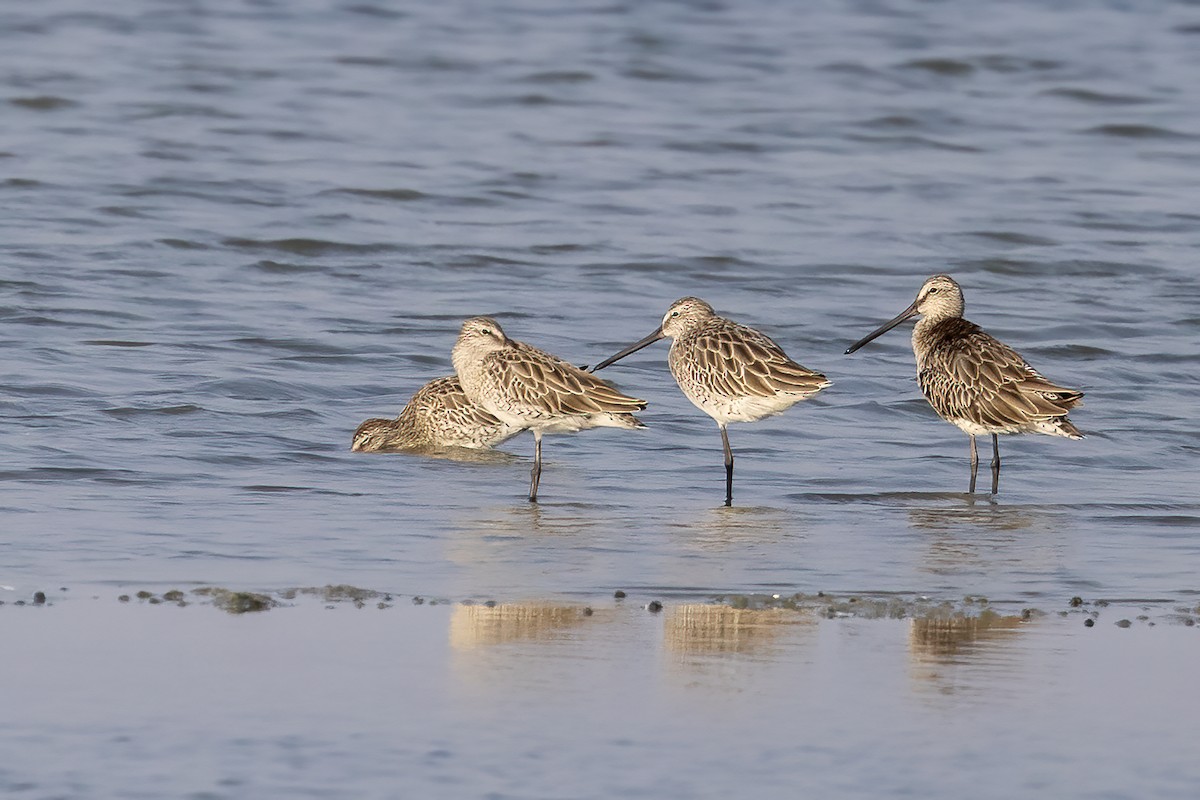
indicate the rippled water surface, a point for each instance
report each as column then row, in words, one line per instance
column 233, row 230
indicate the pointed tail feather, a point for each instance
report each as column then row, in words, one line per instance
column 1066, row 428
column 610, row 420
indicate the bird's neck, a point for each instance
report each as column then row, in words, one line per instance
column 923, row 336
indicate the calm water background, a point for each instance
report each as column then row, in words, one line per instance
column 231, row 231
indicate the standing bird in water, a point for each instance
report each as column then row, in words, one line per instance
column 529, row 389
column 438, row 416
column 975, row 381
column 729, row 371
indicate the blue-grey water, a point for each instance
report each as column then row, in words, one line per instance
column 231, row 231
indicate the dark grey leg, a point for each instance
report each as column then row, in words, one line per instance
column 535, row 474
column 995, row 464
column 974, row 463
column 728, row 467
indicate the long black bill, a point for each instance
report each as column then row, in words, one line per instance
column 907, row 313
column 633, row 348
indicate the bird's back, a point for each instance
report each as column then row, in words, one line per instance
column 451, row 419
column 531, row 387
column 982, row 385
column 735, row 373
column 438, row 415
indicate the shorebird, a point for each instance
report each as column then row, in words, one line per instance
column 438, row 416
column 977, row 382
column 729, row 371
column 529, row 389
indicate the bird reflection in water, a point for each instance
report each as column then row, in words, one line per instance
column 958, row 653
column 528, row 548
column 465, row 455
column 697, row 629
column 982, row 536
column 563, row 519
column 946, row 637
column 726, row 527
column 521, row 644
column 482, row 625
column 972, row 513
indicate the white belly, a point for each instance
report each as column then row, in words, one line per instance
column 975, row 429
column 744, row 409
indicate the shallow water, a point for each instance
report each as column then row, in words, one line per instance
column 232, row 231
column 547, row 700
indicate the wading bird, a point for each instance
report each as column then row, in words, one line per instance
column 529, row 389
column 973, row 380
column 729, row 371
column 438, row 416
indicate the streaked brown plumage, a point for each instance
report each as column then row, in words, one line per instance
column 729, row 371
column 439, row 415
column 975, row 381
column 982, row 385
column 530, row 389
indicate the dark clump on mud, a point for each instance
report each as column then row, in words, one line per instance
column 832, row 606
column 244, row 602
column 237, row 602
column 915, row 606
column 960, row 614
column 174, row 597
column 334, row 594
column 1091, row 611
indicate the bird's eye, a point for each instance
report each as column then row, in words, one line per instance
column 933, row 290
column 486, row 331
column 674, row 313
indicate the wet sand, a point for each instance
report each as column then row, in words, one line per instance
column 345, row 692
